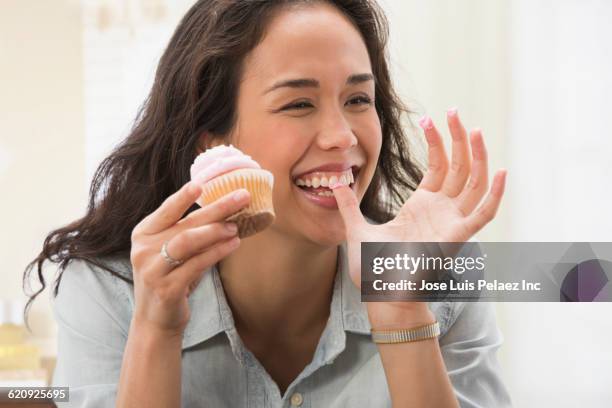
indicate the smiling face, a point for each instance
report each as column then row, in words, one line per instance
column 306, row 113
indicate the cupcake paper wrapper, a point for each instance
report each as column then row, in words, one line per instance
column 259, row 214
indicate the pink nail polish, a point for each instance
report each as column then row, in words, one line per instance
column 426, row 123
column 452, row 112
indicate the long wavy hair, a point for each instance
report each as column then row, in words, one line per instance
column 195, row 91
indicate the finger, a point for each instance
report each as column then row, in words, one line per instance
column 487, row 211
column 218, row 210
column 477, row 186
column 348, row 205
column 437, row 159
column 171, row 210
column 193, row 241
column 460, row 163
column 185, row 276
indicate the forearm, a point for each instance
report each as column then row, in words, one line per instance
column 151, row 370
column 415, row 371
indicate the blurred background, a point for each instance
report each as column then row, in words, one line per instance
column 533, row 74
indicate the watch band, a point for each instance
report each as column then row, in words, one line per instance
column 428, row 331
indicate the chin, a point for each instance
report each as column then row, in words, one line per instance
column 331, row 234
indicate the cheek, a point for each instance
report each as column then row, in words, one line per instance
column 372, row 145
column 277, row 150
column 278, row 155
column 374, row 142
column 370, row 139
column 274, row 146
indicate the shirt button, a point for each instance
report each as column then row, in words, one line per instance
column 296, row 399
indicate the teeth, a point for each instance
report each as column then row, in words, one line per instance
column 325, row 193
column 345, row 178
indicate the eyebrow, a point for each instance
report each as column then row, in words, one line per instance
column 313, row 83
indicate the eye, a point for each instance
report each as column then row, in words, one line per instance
column 297, row 106
column 360, row 100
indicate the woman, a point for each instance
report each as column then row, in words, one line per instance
column 275, row 319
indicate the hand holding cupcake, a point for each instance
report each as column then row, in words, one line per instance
column 223, row 169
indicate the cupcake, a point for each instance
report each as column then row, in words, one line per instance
column 223, row 169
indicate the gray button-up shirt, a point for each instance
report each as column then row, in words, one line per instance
column 93, row 310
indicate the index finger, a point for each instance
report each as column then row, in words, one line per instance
column 220, row 209
column 348, row 206
column 171, row 210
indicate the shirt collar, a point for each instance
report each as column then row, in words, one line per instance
column 211, row 315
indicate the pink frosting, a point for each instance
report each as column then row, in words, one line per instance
column 218, row 160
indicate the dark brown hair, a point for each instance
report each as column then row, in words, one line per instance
column 194, row 91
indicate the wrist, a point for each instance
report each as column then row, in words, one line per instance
column 150, row 333
column 399, row 315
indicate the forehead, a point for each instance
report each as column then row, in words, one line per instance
column 314, row 40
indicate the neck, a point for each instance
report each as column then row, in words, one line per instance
column 278, row 284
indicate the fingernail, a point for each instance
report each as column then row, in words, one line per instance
column 452, row 112
column 231, row 227
column 193, row 188
column 335, row 185
column 240, row 195
column 426, row 123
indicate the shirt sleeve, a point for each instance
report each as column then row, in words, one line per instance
column 92, row 312
column 469, row 349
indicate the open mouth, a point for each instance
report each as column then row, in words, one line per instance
column 318, row 182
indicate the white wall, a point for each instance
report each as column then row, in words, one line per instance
column 535, row 75
column 560, row 147
column 448, row 53
column 41, row 136
column 122, row 43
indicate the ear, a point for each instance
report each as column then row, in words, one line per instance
column 207, row 141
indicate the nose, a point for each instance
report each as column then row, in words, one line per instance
column 335, row 132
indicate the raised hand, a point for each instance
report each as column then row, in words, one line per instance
column 445, row 206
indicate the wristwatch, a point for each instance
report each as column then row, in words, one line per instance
column 428, row 331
